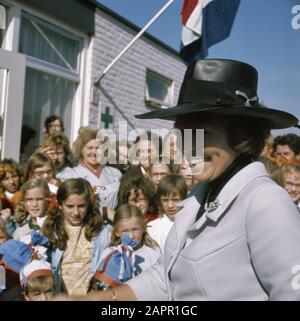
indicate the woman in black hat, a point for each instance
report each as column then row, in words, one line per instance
column 237, row 236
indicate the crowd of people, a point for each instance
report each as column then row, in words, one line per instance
column 72, row 225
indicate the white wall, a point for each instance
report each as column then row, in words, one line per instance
column 124, row 85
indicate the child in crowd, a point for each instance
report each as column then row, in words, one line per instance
column 171, row 191
column 159, row 169
column 14, row 255
column 186, row 172
column 10, row 182
column 77, row 235
column 30, row 213
column 132, row 250
column 146, row 150
column 139, row 191
column 290, row 175
column 37, row 281
column 41, row 166
column 57, row 147
column 172, row 149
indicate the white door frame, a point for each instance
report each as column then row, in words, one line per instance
column 13, row 109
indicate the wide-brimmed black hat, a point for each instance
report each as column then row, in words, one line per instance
column 226, row 87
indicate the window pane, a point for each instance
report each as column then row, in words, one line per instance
column 158, row 88
column 3, row 23
column 44, row 41
column 46, row 95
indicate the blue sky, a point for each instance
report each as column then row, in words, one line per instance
column 262, row 35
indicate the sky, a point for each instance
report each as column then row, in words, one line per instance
column 262, row 35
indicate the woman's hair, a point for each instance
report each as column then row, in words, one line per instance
column 272, row 168
column 35, row 161
column 290, row 168
column 137, row 183
column 50, row 119
column 40, row 283
column 58, row 140
column 54, row 226
column 267, row 151
column 20, row 211
column 85, row 135
column 246, row 136
column 292, row 140
column 8, row 165
column 128, row 211
column 169, row 185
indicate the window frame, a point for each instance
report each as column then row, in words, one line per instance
column 82, row 77
column 153, row 101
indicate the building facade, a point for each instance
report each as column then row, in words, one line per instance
column 53, row 52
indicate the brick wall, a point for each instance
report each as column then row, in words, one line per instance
column 123, row 87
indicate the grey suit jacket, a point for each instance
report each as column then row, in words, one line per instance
column 246, row 249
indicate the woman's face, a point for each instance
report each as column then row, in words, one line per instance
column 217, row 154
column 158, row 171
column 35, row 202
column 89, row 152
column 146, row 151
column 139, row 200
column 74, row 209
column 11, row 182
column 44, row 171
column 55, row 127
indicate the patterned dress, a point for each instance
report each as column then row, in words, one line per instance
column 76, row 261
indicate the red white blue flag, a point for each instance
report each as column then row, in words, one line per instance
column 204, row 23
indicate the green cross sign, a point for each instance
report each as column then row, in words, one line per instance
column 106, row 118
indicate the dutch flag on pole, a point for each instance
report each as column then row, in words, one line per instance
column 204, row 23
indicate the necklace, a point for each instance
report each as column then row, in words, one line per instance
column 211, row 206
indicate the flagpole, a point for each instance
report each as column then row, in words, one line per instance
column 162, row 10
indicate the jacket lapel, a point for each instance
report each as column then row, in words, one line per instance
column 231, row 190
column 185, row 218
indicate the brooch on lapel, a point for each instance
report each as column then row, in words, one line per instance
column 212, row 206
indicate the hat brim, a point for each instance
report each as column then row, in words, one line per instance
column 275, row 119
